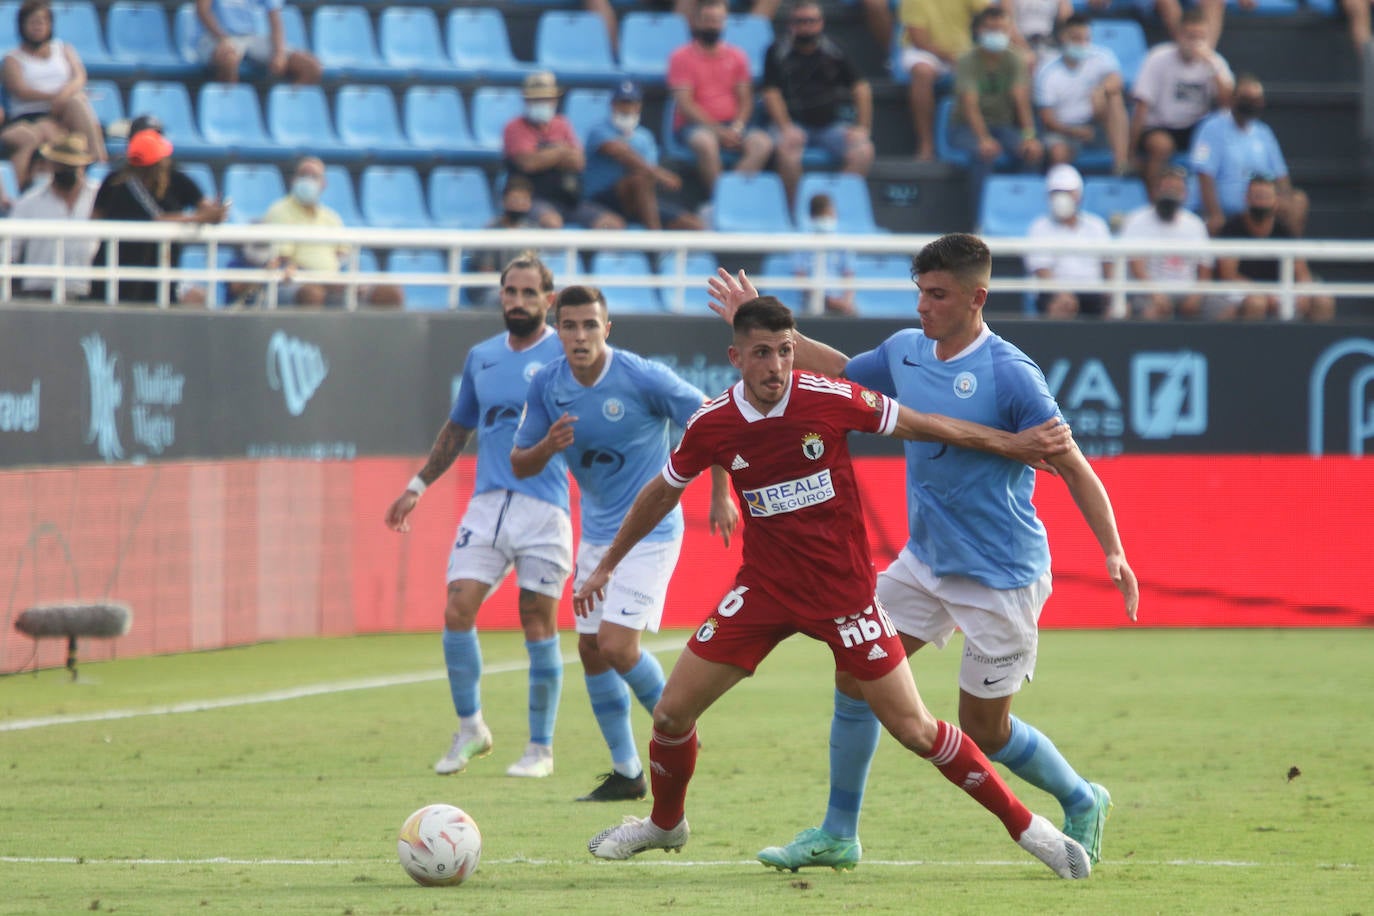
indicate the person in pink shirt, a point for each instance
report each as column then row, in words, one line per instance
column 710, row 83
column 542, row 146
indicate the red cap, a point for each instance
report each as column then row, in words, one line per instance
column 148, row 147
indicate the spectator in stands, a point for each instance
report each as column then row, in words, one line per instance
column 710, row 83
column 541, row 145
column 301, row 207
column 992, row 109
column 1167, row 220
column 148, row 188
column 1034, row 25
column 1078, row 93
column 1067, row 221
column 1261, row 221
column 67, row 196
column 517, row 203
column 935, row 34
column 1357, row 12
column 623, row 173
column 235, row 29
column 764, row 9
column 806, row 77
column 250, row 294
column 1179, row 83
column 839, row 263
column 1230, row 147
column 45, row 87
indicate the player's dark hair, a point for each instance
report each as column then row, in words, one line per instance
column 965, row 256
column 579, row 295
column 765, row 313
column 529, row 260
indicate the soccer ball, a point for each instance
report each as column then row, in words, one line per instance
column 439, row 845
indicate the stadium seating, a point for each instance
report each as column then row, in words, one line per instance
column 390, row 197
column 195, row 257
column 366, row 117
column 625, row 299
column 752, row 35
column 105, row 100
column 1126, row 39
column 647, row 40
column 171, row 103
column 140, row 40
column 202, row 175
column 9, row 24
column 186, row 32
column 78, row 24
column 853, row 206
column 699, row 265
column 252, row 188
column 437, row 120
column 751, row 203
column 1112, row 198
column 492, row 109
column 944, row 150
column 896, row 303
column 586, row 108
column 774, row 266
column 574, row 45
column 420, row 298
column 479, row 44
column 1010, row 203
column 338, row 195
column 299, row 123
column 460, row 198
column 8, row 180
column 410, row 43
column 229, row 118
column 344, row 44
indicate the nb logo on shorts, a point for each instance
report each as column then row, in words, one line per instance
column 869, row 625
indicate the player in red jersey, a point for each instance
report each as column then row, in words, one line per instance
column 782, row 435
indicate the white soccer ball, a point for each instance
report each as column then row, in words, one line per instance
column 439, row 845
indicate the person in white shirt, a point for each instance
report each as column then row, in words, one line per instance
column 1034, row 24
column 1178, row 85
column 1168, row 220
column 67, row 195
column 1066, row 221
column 1078, row 97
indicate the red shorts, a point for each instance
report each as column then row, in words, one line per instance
column 748, row 623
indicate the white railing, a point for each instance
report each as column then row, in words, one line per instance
column 682, row 292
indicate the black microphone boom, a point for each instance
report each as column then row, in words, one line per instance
column 72, row 619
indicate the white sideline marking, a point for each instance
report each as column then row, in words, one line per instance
column 278, row 696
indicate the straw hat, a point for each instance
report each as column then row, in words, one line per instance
column 541, row 85
column 69, row 150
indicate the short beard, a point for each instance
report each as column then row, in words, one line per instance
column 522, row 327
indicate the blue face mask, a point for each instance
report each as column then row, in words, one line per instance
column 306, row 189
column 826, row 224
column 1076, row 51
column 996, row 42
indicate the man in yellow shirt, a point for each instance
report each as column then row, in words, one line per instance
column 934, row 34
column 302, row 207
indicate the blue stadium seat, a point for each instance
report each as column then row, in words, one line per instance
column 853, row 205
column 479, row 44
column 1010, row 203
column 229, row 117
column 338, row 195
column 202, row 175
column 78, row 24
column 897, row 303
column 9, row 24
column 779, row 265
column 367, row 121
column 8, row 180
column 421, row 298
column 186, row 32
column 625, row 299
column 492, row 109
column 195, row 257
column 647, row 40
column 140, row 40
column 1266, row 8
column 253, row 187
column 460, row 198
column 1126, row 39
column 172, row 105
column 1112, row 198
column 390, row 197
column 410, row 43
column 105, row 100
column 699, row 265
column 752, row 35
column 298, row 121
column 750, row 203
column 344, row 44
column 437, row 120
column 99, row 171
column 586, row 108
column 575, row 46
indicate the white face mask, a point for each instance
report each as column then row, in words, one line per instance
column 541, row 112
column 1062, row 205
column 826, row 224
column 994, row 41
column 306, row 189
column 625, row 123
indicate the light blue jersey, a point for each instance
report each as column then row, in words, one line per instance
column 621, row 438
column 495, row 381
column 969, row 513
column 244, row 17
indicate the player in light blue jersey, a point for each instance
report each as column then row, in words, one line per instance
column 977, row 557
column 612, row 415
column 510, row 522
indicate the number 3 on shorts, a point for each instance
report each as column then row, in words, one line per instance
column 463, row 536
column 734, row 600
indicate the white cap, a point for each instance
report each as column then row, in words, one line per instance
column 1064, row 177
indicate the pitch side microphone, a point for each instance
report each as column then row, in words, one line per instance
column 73, row 619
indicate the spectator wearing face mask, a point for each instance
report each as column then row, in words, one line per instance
column 1067, row 221
column 623, row 173
column 1232, row 146
column 517, row 203
column 542, row 146
column 1167, row 220
column 301, row 207
column 1260, row 220
column 1078, row 96
column 68, row 196
column 935, row 34
column 839, row 262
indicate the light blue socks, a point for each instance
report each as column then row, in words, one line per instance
column 463, row 658
column 1033, row 757
column 854, row 732
column 546, row 686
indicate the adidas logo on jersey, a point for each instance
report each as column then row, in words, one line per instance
column 876, row 653
column 738, row 464
column 974, row 780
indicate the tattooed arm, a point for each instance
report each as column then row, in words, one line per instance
column 442, row 454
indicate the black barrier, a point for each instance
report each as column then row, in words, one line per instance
column 83, row 385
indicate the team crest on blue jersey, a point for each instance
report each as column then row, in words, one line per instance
column 531, row 369
column 813, row 446
column 965, row 384
column 612, row 409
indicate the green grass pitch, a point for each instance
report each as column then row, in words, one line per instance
column 1241, row 763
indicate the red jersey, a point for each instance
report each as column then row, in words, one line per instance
column 807, row 544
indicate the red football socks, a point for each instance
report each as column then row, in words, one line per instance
column 963, row 764
column 672, row 761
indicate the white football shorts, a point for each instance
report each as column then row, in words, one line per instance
column 638, row 588
column 501, row 529
column 1001, row 625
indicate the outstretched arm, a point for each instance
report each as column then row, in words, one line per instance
column 1032, row 446
column 447, row 445
column 730, row 291
column 1092, row 500
column 650, row 507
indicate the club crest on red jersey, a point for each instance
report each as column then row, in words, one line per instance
column 870, row 398
column 813, row 446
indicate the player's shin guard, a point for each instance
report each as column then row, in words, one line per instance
column 463, row 658
column 854, row 735
column 1034, row 758
column 546, row 686
column 646, row 680
column 962, row 763
column 672, row 761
